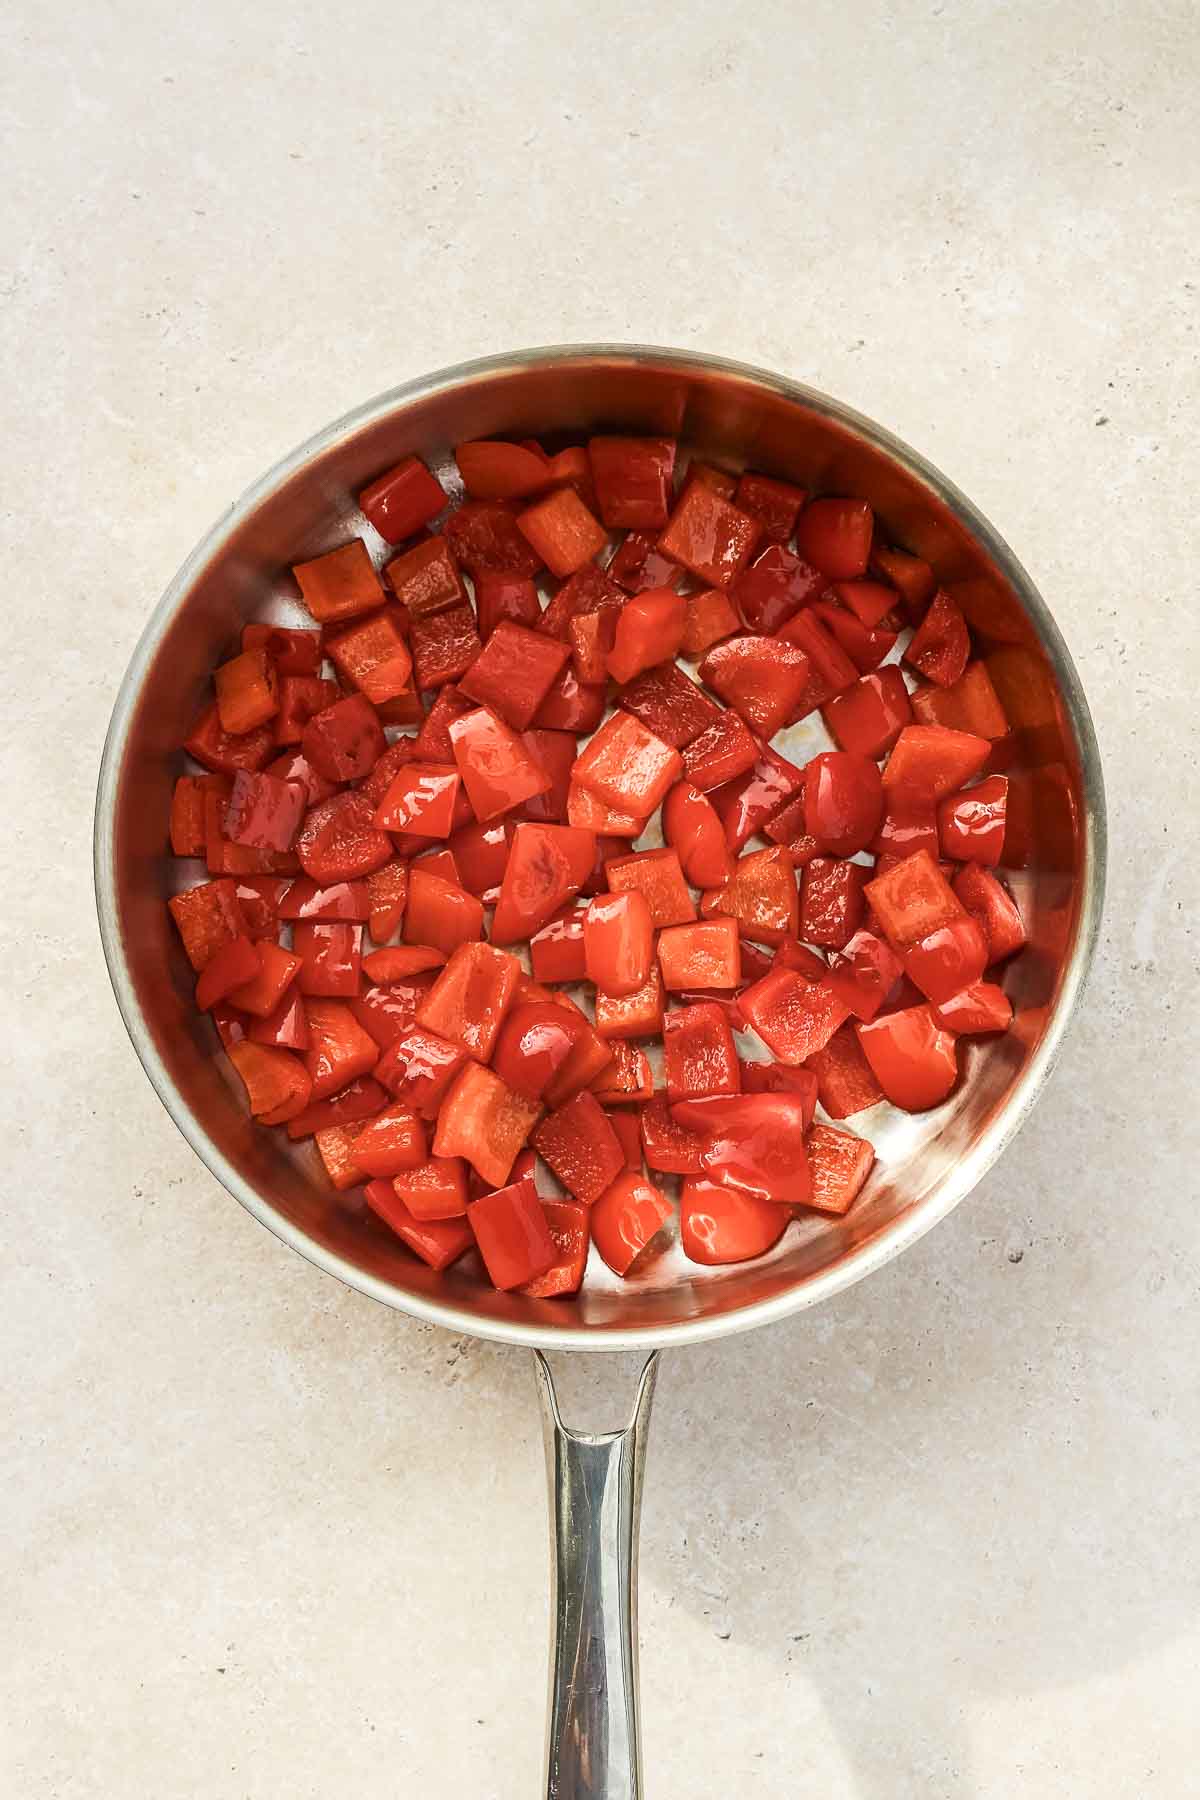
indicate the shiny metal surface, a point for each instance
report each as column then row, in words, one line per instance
column 736, row 415
column 593, row 1746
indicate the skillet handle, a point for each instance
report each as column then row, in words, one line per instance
column 593, row 1747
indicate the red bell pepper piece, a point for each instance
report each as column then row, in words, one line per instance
column 754, row 1142
column 762, row 678
column 794, row 1016
column 571, row 705
column 670, row 1148
column 387, row 894
column 870, row 601
column 777, row 1078
column 913, row 899
column 512, row 1234
column 483, row 535
column 762, row 896
column 341, row 584
column 627, row 766
column 589, row 813
column 839, row 1164
column 556, row 951
column 500, row 596
column 262, row 992
column 658, row 877
column 745, row 804
column 625, row 1220
column 263, row 812
column 864, row 973
column 439, row 912
column 403, row 709
column 914, row 1059
column 222, row 855
column 831, row 901
column 835, row 534
column 444, row 645
column 624, row 1079
column 704, row 955
column 497, row 768
column 947, row 960
column 869, row 717
column 438, row 1242
column 515, row 672
column 339, row 840
column 276, row 1083
column 494, row 470
column 359, row 1100
column 638, row 1015
column 639, row 564
column 292, row 652
column 906, row 827
column 346, row 900
column 941, row 643
column 247, row 692
column 207, row 917
column 562, row 531
column 403, row 499
column 709, row 535
column 774, row 587
column 633, row 478
column 720, row 754
column 989, row 902
column 468, row 1002
column 301, row 698
column 710, row 476
column 618, row 942
column 775, row 504
column 187, row 815
column 421, row 798
column 913, row 578
column 982, row 1007
column 670, row 705
column 846, row 1082
column 547, row 866
column 554, row 751
column 928, row 761
column 586, row 1064
column 649, row 631
column 223, row 753
column 345, row 740
column 694, row 831
column 535, row 1041
column 843, row 801
column 399, row 961
column 831, row 669
column 480, row 853
column 374, row 657
column 339, row 1050
column 426, row 579
column 387, row 1012
column 698, row 1053
column 483, row 1120
column 969, row 704
column 286, row 1027
column 432, row 742
column 393, row 1140
column 292, row 766
column 725, row 1225
column 435, row 1189
column 866, row 649
column 567, row 1223
column 787, row 827
column 234, row 964
column 971, row 823
column 418, row 1067
column 589, row 590
column 708, row 617
column 591, row 637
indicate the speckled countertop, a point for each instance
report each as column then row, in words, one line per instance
column 261, row 1537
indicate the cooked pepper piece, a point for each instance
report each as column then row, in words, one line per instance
column 501, row 597
column 914, row 1059
column 292, row 652
column 482, row 1119
column 709, row 535
column 762, row 896
column 339, row 1050
column 547, row 866
column 969, row 704
column 941, row 643
column 831, row 901
column 762, row 678
column 793, row 1015
column 426, row 579
column 971, row 823
column 745, row 804
column 775, row 504
column 866, row 649
column 774, row 586
column 536, row 1039
column 567, row 1223
column 262, row 992
column 928, row 761
column 913, row 578
column 401, row 500
column 726, row 1225
column 339, row 840
column 468, row 1002
column 649, row 631
column 989, row 902
column 590, row 813
column 494, row 470
column 669, row 1148
column 571, row 705
column 263, row 812
column 913, row 899
column 694, row 831
column 439, row 912
column 374, row 657
column 624, row 1079
column 843, row 801
column 639, row 564
column 360, row 1099
column 658, row 877
column 670, row 705
column 982, row 1007
column 638, row 1015
column 438, row 1242
column 628, row 766
column 721, row 753
column 835, row 535
column 869, row 717
column 618, row 942
column 562, row 531
column 846, row 1082
column 581, row 1147
column 704, row 955
column 418, row 1067
column 223, row 753
column 839, row 1164
column 340, row 584
column 514, row 672
column 754, row 1142
column 698, row 1053
column 498, row 770
column 276, row 1082
column 286, row 1028
column 434, row 1189
column 444, row 645
column 301, row 698
column 207, row 917
column 947, row 960
column 863, row 973
column 330, row 957
column 386, row 1012
column 234, row 964
column 708, row 617
column 247, row 692
column 777, row 1078
column 625, row 1220
column 399, row 961
column 483, row 534
column 512, row 1234
column 344, row 741
column 632, row 478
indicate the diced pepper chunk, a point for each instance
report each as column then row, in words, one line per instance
column 846, row 1082
column 969, row 704
column 709, row 535
column 626, row 1218
column 286, row 1027
column 628, row 766
column 438, row 1242
column 483, row 1120
column 567, row 1223
column 386, row 1012
column 704, row 955
column 581, row 1147
column 292, row 652
column 418, row 1067
column 624, row 1079
column 669, row 704
column 843, row 801
column 948, row 959
column 913, row 899
column 562, row 531
column 276, row 1082
column 754, row 1142
column 535, row 1041
column 426, row 579
column 339, row 840
column 971, row 823
column 556, row 950
column 440, row 912
column 618, row 942
column 393, row 1140
column 340, row 584
column 263, row 812
column 358, row 1100
column 778, row 1078
column 374, row 656
column 483, row 535
column 989, row 902
column 864, row 973
column 649, row 631
column 694, row 830
column 514, row 672
column 794, row 1017
column 403, row 499
column 500, row 596
column 571, row 705
column 590, row 813
column 639, row 564
column 301, row 698
column 207, row 917
column 187, row 815
column 982, row 1007
column 262, row 993
column 494, row 470
column 835, row 535
column 721, row 753
column 869, row 601
column 247, row 692
column 762, row 678
column 468, row 1002
column 708, row 617
column 444, row 645
column 869, row 717
column 762, row 896
column 941, row 644
column 839, row 1164
column 831, row 901
column 914, row 1059
column 928, row 761
column 339, row 1050
column 913, row 578
column 234, row 964
column 774, row 586
column 547, row 866
column 330, row 957
column 512, row 1234
column 670, row 1148
column 866, row 649
column 387, row 894
column 224, row 753
column 434, row 1189
column 632, row 479
column 727, row 1225
column 497, row 768
column 775, row 504
column 638, row 1015
column 658, row 877
column 746, row 804
column 555, row 752
column 344, row 741
column 698, row 1053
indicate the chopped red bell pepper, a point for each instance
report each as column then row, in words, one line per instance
column 869, row 717
column 704, row 955
column 587, row 1063
column 708, row 617
column 658, row 877
column 359, row 1100
column 388, row 1011
column 989, row 902
column 831, row 669
column 670, row 705
column 387, row 894
column 843, row 801
column 831, row 901
column 483, row 535
column 292, row 652
column 835, row 534
column 624, row 1080
column 223, row 753
column 339, row 840
column 438, row 1242
column 340, row 584
column 247, row 692
column 969, row 704
column 941, row 643
column 345, row 741
column 482, row 1119
column 947, row 960
column 633, row 479
column 515, row 672
column 709, row 535
column 762, row 896
column 907, row 826
column 846, row 1082
column 276, row 1082
column 432, row 742
column 754, row 1142
column 547, row 866
column 591, row 637
column 625, row 1220
column 589, row 590
column 570, row 705
column 301, row 698
column 187, row 815
column 698, row 1053
column 928, row 761
column 435, row 1189
column 787, row 827
column 393, row 1140
column 341, row 900
column 494, row 470
column 590, row 813
column 444, row 645
column 263, row 812
column 468, row 1002
column 670, row 1148
column 794, row 1016
column 982, row 1007
column 555, row 752
column 777, row 1078
column 639, row 564
column 870, row 601
column 914, row 579
column 864, row 973
column 286, row 1027
column 775, row 504
column 500, row 596
column 745, row 804
column 497, row 768
column 398, row 961
column 694, row 831
column 335, row 1145
column 721, row 753
column 914, row 1059
column 866, row 649
column 628, row 766
column 572, row 468
column 913, row 899
column 339, row 1050
column 426, row 579
column 774, row 587
column 567, row 1223
column 618, row 942
column 418, row 1067
column 439, row 912
column 638, row 1015
column 293, row 767
column 536, row 1039
column 330, row 957
column 480, row 854
column 403, row 499
column 556, row 951
column 839, row 1163
column 234, row 964
column 726, row 1225
column 512, row 1234
column 374, row 657
column 762, row 678
column 222, row 855
column 562, row 531
column 710, row 476
column 970, row 824
column 207, row 917
column 582, row 1147
column 649, row 631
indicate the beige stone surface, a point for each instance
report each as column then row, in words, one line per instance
column 261, row 1537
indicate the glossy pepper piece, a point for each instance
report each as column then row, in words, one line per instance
column 863, row 973
column 746, row 804
column 358, row 1100
column 658, row 877
column 866, row 649
column 587, row 811
column 339, row 1050
column 835, row 535
column 774, row 587
column 301, row 698
column 708, row 617
column 439, row 912
column 468, row 1001
column 426, row 580
column 335, row 1146
column 947, row 960
column 330, row 957
column 444, row 646
column 261, row 993
column 483, row 1120
column 618, row 942
column 941, row 644
column 626, row 1219
column 349, row 900
column 247, row 692
column 292, row 766
column 709, row 535
column 724, row 751
column 846, row 1083
column 913, row 578
column 292, row 652
column 789, row 828
column 989, row 902
column 928, row 761
column 483, row 535
column 623, row 1080
column 393, row 1140
column 721, row 481
column 907, row 825
column 868, row 717
column 669, row 704
column 694, row 831
column 726, row 1225
column 669, row 1148
column 777, row 1078
column 831, row 901
column 286, row 1027
column 632, row 478
column 339, row 840
column 639, row 564
column 563, row 532
column 398, row 961
column 512, row 1234
column 981, row 1008
column 264, row 813
column 571, row 705
column 344, row 741
column 754, row 1142
column 434, row 1189
column 438, row 1242
column 843, row 801
column 418, row 1067
column 536, row 1039
column 403, row 499
column 703, row 955
column 971, row 823
column 591, row 637
column 589, row 590
column 913, row 899
column 498, row 771
column 230, row 967
column 775, row 504
column 831, row 669
column 514, row 672
column 839, row 1164
column 387, row 1011
column 340, row 584
column 627, row 766
column 224, row 753
column 207, row 917
column 581, row 1147
column 556, row 950
column 637, row 1015
column 649, row 631
column 762, row 678
column 387, row 896
column 698, row 1053
column 554, row 751
column 547, row 866
column 374, row 657
column 969, row 704
column 222, row 855
column 794, row 1016
column 501, row 597
column 762, row 896
column 914, row 1059
column 494, row 470
column 276, row 1082
column 567, row 1223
